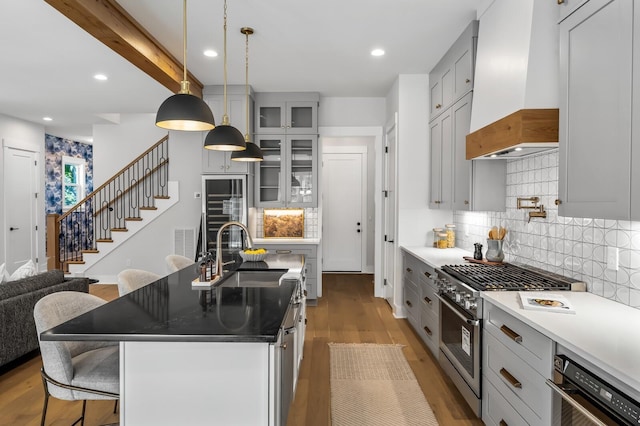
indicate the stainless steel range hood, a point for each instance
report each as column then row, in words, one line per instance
column 525, row 132
column 515, row 101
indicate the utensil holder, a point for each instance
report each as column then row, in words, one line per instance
column 494, row 251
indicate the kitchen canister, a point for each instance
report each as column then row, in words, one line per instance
column 436, row 231
column 451, row 235
column 442, row 240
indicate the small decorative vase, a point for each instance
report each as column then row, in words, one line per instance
column 494, row 251
column 477, row 254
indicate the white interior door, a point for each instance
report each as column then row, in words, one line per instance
column 389, row 208
column 344, row 191
column 20, row 207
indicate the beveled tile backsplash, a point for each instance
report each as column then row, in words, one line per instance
column 574, row 247
column 310, row 223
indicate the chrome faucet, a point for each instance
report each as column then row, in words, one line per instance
column 249, row 241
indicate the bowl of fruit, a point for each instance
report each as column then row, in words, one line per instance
column 253, row 255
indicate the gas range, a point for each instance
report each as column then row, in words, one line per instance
column 463, row 283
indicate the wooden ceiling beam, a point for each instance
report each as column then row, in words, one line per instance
column 108, row 22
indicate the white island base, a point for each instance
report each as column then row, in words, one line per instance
column 199, row 383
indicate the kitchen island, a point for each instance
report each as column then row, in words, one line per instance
column 193, row 356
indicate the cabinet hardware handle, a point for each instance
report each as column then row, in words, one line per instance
column 503, row 423
column 283, row 251
column 436, row 202
column 409, row 270
column 409, row 303
column 512, row 380
column 427, row 330
column 466, row 202
column 426, row 299
column 428, row 275
column 467, row 81
column 438, row 106
column 511, row 334
column 560, row 1
column 558, row 202
column 284, row 346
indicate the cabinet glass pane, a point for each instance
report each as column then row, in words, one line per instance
column 302, row 117
column 270, row 117
column 270, row 169
column 301, row 170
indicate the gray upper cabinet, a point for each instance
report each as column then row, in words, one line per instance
column 458, row 183
column 214, row 162
column 440, row 156
column 452, row 77
column 287, row 113
column 596, row 55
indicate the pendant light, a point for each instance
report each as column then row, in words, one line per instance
column 184, row 111
column 253, row 153
column 225, row 137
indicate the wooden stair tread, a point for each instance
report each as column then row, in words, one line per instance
column 161, row 197
column 75, row 262
column 137, row 219
column 91, row 251
column 104, row 240
column 148, row 208
column 119, row 230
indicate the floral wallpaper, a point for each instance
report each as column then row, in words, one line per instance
column 55, row 149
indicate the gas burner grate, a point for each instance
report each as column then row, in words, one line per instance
column 507, row 276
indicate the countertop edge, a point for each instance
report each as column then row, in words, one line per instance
column 436, row 257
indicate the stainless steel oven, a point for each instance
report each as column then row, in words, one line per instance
column 584, row 398
column 460, row 336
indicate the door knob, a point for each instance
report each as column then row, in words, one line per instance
column 13, row 229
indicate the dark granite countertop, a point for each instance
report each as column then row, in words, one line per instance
column 169, row 310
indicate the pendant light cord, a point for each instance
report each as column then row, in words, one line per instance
column 247, row 138
column 225, row 117
column 184, row 39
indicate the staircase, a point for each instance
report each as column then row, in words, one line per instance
column 113, row 213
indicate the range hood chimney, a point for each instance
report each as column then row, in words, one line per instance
column 515, row 101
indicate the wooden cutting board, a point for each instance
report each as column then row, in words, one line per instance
column 483, row 261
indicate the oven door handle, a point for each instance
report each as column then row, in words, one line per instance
column 575, row 404
column 471, row 322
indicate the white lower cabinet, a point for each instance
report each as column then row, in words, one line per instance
column 517, row 361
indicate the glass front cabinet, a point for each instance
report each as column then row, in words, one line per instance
column 286, row 113
column 288, row 175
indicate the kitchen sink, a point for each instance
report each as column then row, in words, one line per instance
column 266, row 278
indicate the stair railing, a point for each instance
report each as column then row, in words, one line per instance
column 108, row 208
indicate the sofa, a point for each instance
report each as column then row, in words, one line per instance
column 17, row 299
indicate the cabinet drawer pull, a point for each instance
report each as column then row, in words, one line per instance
column 467, row 81
column 408, row 303
column 409, row 270
column 426, row 299
column 466, row 202
column 428, row 275
column 560, row 1
column 427, row 330
column 511, row 334
column 512, row 380
column 503, row 423
column 438, row 106
column 283, row 251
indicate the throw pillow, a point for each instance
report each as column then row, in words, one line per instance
column 4, row 274
column 26, row 270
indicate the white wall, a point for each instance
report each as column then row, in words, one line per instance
column 27, row 135
column 415, row 219
column 114, row 147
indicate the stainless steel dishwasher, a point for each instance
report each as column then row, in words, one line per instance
column 287, row 361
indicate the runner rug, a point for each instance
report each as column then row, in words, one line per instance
column 372, row 385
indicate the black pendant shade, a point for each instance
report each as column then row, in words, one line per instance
column 184, row 111
column 253, row 153
column 225, row 138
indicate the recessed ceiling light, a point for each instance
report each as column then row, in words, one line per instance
column 47, row 118
column 377, row 52
column 100, row 77
column 210, row 53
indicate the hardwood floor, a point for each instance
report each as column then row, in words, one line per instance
column 347, row 312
